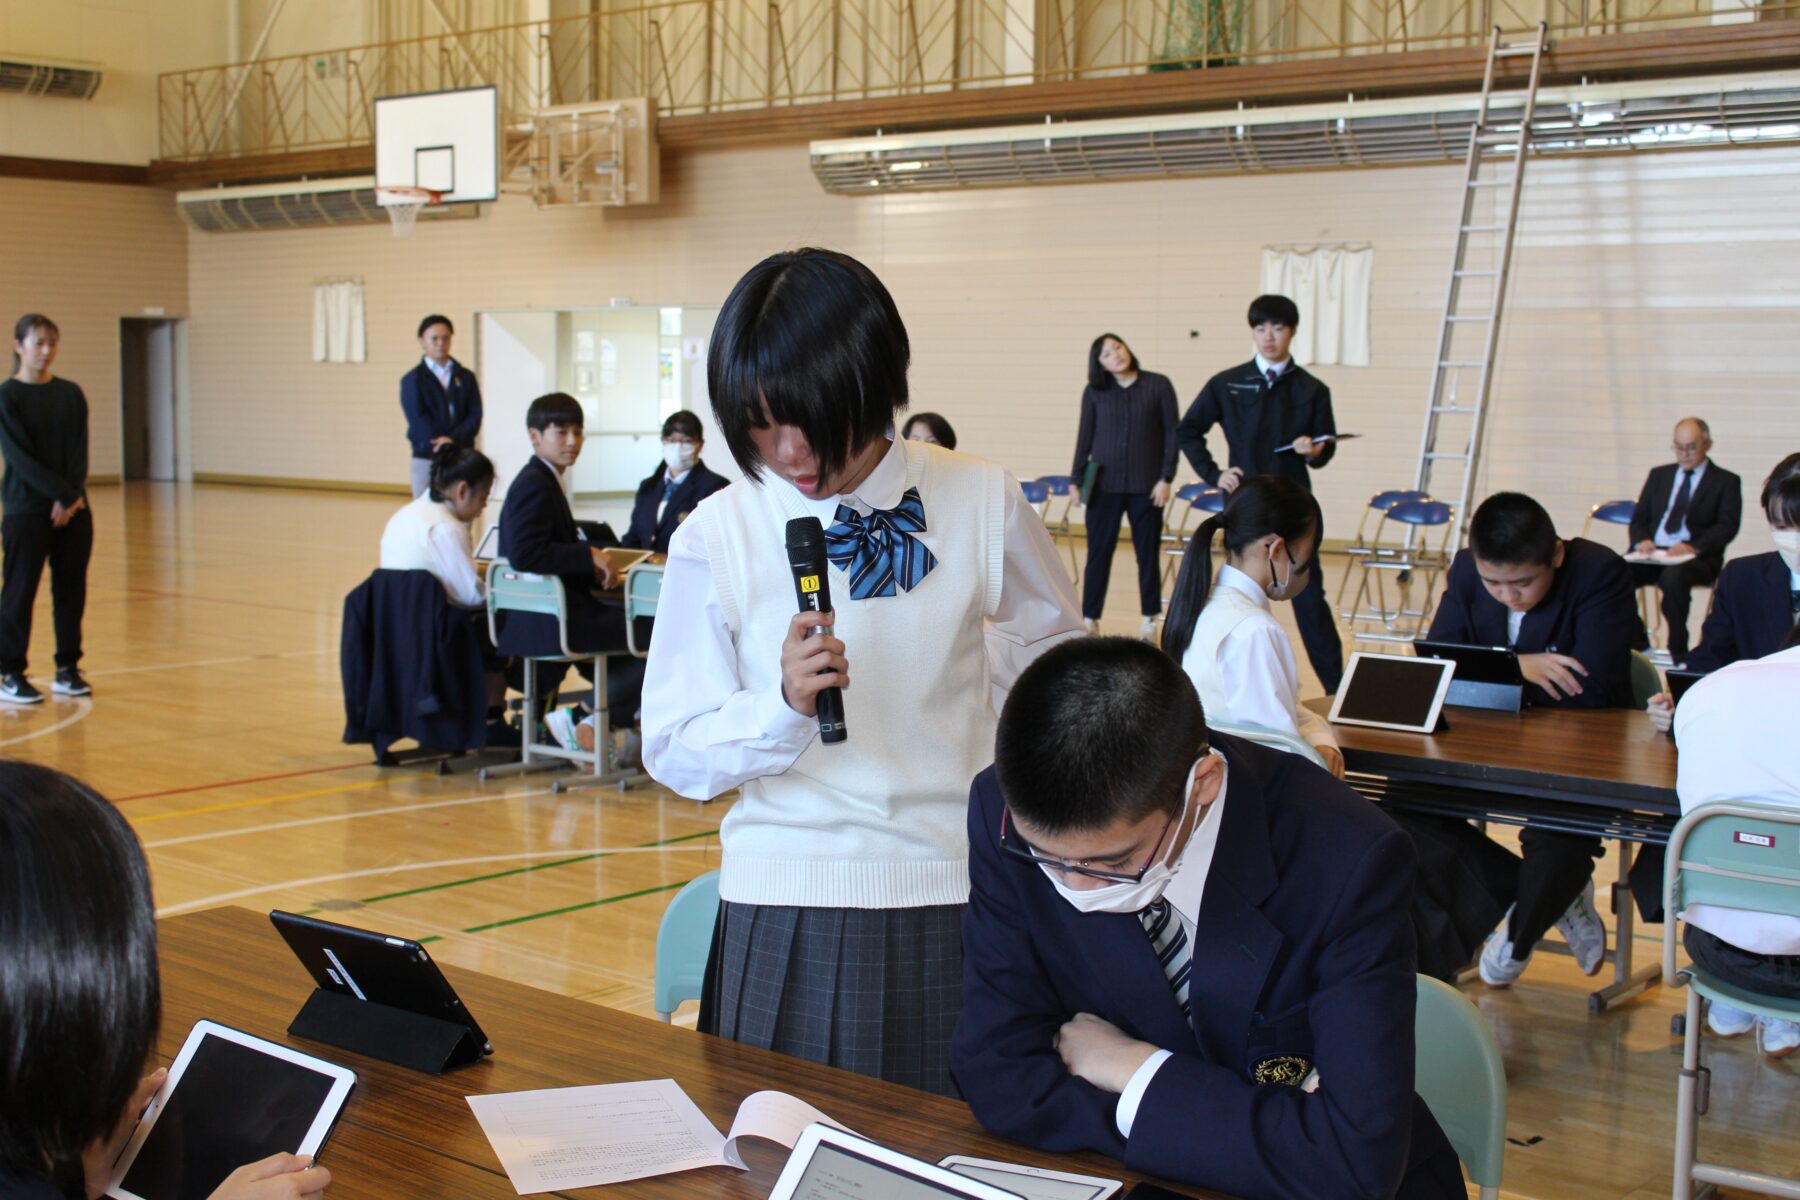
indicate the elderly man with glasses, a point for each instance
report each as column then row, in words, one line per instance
column 1688, row 511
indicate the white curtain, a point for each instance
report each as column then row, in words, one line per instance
column 1331, row 286
column 338, row 322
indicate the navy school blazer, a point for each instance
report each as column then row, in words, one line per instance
column 1303, row 958
column 538, row 534
column 1590, row 614
column 1257, row 419
column 1751, row 615
column 431, row 413
column 646, row 532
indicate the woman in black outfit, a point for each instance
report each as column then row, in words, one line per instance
column 1128, row 431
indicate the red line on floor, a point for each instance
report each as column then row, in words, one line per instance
column 207, row 787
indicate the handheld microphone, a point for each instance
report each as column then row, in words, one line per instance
column 812, row 589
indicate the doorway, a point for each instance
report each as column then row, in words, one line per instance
column 150, row 398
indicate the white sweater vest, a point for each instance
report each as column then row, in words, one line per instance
column 879, row 820
column 406, row 542
column 1226, row 608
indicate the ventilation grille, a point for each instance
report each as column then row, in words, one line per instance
column 1216, row 144
column 302, row 206
column 67, row 80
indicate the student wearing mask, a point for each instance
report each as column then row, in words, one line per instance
column 44, row 440
column 930, row 428
column 1275, row 415
column 1691, row 506
column 1225, row 636
column 1187, row 951
column 80, row 998
column 845, row 869
column 441, row 400
column 1566, row 607
column 1128, row 431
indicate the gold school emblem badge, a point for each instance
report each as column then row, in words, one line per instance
column 1281, row 1068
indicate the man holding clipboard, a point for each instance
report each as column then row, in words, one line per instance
column 1278, row 421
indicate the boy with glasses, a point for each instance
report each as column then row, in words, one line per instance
column 1187, row 951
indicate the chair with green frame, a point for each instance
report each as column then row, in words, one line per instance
column 1737, row 855
column 1458, row 1072
column 513, row 590
column 1262, row 735
column 683, row 940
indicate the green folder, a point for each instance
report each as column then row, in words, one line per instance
column 1089, row 475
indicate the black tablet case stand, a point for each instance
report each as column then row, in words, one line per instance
column 407, row 1039
column 1470, row 693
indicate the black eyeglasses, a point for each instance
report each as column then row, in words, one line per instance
column 1021, row 849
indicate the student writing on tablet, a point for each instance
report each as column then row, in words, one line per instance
column 80, row 998
column 1565, row 606
column 1116, row 843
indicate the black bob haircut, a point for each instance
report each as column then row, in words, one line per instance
column 1511, row 529
column 1099, row 378
column 435, row 319
column 555, row 408
column 684, row 423
column 453, row 464
column 1274, row 310
column 813, row 336
column 79, row 993
column 1781, row 493
column 940, row 428
column 1261, row 505
column 1098, row 729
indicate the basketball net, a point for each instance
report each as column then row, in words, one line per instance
column 403, row 205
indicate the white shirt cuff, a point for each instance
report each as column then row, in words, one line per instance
column 1126, row 1113
column 781, row 724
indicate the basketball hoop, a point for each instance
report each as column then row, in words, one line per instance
column 403, row 205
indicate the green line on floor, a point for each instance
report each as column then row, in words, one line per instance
column 557, row 912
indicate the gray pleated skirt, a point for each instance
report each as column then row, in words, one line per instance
column 875, row 991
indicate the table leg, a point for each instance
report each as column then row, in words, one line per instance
column 1625, row 982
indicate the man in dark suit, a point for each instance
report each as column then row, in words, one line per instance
column 1273, row 411
column 1697, row 514
column 538, row 534
column 1565, row 608
column 1114, row 845
column 441, row 400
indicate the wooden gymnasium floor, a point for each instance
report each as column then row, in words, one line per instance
column 212, row 633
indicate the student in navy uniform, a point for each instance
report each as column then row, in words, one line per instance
column 441, row 400
column 663, row 502
column 1699, row 516
column 1271, row 409
column 1116, row 843
column 1566, row 608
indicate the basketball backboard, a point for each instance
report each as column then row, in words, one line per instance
column 448, row 142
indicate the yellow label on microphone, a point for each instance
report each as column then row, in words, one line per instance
column 809, row 583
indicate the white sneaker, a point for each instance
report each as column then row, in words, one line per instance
column 1093, row 626
column 1147, row 630
column 561, row 723
column 1498, row 966
column 1581, row 928
column 1728, row 1022
column 1778, row 1038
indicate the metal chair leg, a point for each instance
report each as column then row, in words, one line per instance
column 1687, row 1116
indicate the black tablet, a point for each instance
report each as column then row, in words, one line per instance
column 375, row 967
column 1474, row 664
column 1679, row 680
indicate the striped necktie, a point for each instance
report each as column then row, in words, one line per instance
column 1170, row 942
column 669, row 486
column 879, row 552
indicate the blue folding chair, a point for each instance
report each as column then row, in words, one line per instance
column 1062, row 525
column 1610, row 512
column 683, row 941
column 1401, row 621
column 1195, row 498
column 1361, row 545
column 1738, row 855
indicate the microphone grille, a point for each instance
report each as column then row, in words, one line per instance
column 805, row 534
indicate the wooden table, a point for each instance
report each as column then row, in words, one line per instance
column 404, row 1133
column 1603, row 772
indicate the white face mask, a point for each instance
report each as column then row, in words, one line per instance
column 1130, row 897
column 679, row 456
column 1787, row 544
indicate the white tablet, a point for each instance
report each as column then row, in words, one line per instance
column 230, row 1099
column 829, row 1164
column 1393, row 691
column 1033, row 1183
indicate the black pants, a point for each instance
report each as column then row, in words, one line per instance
column 1103, row 515
column 1676, row 583
column 1319, row 631
column 1767, row 974
column 1540, row 882
column 28, row 541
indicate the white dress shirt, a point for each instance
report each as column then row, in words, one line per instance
column 1264, row 366
column 1185, row 891
column 452, row 549
column 1735, row 729
column 1681, row 534
column 444, row 372
column 721, row 734
column 1515, row 621
column 1258, row 671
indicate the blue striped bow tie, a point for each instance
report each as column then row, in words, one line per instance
column 879, row 551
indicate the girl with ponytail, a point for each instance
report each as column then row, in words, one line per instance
column 1223, row 633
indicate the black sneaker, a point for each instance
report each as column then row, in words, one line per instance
column 68, row 682
column 18, row 690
